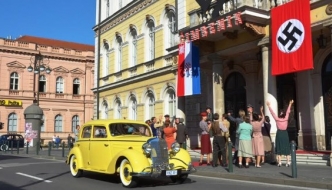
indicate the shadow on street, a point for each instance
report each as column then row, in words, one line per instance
column 8, row 157
column 7, row 186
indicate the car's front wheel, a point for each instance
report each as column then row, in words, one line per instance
column 125, row 170
column 74, row 168
column 4, row 147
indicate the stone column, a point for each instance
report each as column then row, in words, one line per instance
column 269, row 88
column 218, row 91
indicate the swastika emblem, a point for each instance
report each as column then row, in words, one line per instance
column 290, row 36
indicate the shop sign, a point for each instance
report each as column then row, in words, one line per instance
column 17, row 103
column 213, row 27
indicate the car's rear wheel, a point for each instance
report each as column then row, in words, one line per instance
column 4, row 147
column 125, row 169
column 74, row 168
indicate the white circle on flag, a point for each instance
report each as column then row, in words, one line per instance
column 290, row 36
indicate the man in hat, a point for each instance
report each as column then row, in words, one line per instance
column 249, row 109
column 181, row 133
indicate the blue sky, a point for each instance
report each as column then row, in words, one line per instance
column 68, row 20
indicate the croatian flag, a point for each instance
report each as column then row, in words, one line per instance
column 189, row 78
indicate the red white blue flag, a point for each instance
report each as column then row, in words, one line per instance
column 189, row 78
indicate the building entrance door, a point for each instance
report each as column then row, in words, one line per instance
column 327, row 95
column 235, row 97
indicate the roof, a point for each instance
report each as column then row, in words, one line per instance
column 56, row 43
column 107, row 121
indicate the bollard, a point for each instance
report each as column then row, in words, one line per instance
column 18, row 148
column 49, row 148
column 27, row 148
column 293, row 157
column 273, row 156
column 230, row 157
column 63, row 149
column 11, row 146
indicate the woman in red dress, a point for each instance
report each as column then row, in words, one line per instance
column 169, row 134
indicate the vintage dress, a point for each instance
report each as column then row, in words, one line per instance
column 169, row 136
column 257, row 137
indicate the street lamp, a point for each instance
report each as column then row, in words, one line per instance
column 40, row 64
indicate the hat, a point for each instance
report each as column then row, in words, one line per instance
column 203, row 114
column 166, row 115
column 249, row 106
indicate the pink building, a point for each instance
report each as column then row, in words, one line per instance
column 64, row 93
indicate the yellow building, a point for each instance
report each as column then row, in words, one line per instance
column 136, row 74
column 139, row 80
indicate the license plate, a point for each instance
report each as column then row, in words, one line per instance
column 171, row 172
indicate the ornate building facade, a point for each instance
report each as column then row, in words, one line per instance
column 63, row 87
column 235, row 59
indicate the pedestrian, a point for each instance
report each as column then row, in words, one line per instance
column 70, row 141
column 169, row 134
column 266, row 137
column 77, row 132
column 209, row 119
column 282, row 139
column 219, row 141
column 57, row 142
column 257, row 137
column 53, row 140
column 226, row 123
column 153, row 129
column 245, row 144
column 181, row 133
column 205, row 139
column 237, row 121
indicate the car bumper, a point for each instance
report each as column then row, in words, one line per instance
column 165, row 173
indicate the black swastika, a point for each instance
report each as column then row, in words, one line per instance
column 290, row 36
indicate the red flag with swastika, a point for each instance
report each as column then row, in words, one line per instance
column 291, row 37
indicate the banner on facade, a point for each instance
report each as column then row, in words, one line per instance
column 189, row 78
column 291, row 37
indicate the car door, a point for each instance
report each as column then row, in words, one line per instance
column 100, row 155
column 83, row 144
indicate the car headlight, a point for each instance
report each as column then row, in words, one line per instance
column 146, row 148
column 175, row 147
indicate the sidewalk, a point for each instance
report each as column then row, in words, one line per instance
column 307, row 175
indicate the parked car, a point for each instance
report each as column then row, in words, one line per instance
column 127, row 148
column 8, row 140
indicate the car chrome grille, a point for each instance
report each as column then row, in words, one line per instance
column 159, row 153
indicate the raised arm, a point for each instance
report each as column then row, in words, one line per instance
column 263, row 116
column 271, row 111
column 231, row 118
column 288, row 109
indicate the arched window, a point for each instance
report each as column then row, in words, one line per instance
column 105, row 56
column 151, row 39
column 13, row 81
column 42, row 83
column 132, row 108
column 118, row 109
column 133, row 47
column 74, row 122
column 171, row 28
column 118, row 52
column 149, row 105
column 170, row 102
column 107, row 8
column 59, row 85
column 12, row 122
column 76, row 86
column 104, row 107
column 42, row 127
column 58, row 123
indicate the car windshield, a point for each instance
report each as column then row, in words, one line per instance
column 129, row 129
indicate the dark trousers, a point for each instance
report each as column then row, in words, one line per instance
column 219, row 149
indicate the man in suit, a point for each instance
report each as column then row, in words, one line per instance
column 181, row 133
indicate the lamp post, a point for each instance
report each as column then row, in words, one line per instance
column 40, row 64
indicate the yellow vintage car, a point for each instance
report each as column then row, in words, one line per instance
column 127, row 148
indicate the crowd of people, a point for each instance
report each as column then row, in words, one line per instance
column 252, row 138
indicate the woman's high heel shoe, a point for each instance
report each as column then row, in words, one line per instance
column 287, row 165
column 279, row 165
column 200, row 163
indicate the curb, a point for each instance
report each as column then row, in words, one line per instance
column 291, row 182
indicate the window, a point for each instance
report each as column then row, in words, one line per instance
column 105, row 56
column 117, row 129
column 119, row 52
column 86, row 132
column 76, row 86
column 104, row 107
column 107, row 8
column 172, row 28
column 149, row 105
column 117, row 109
column 74, row 122
column 132, row 108
column 42, row 83
column 171, row 102
column 14, row 81
column 12, row 122
column 151, row 30
column 42, row 127
column 58, row 123
column 99, row 132
column 120, row 4
column 133, row 47
column 59, row 85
